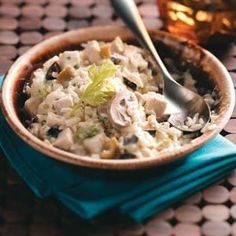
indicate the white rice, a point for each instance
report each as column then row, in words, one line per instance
column 128, row 129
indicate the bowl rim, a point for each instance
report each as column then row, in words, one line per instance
column 86, row 161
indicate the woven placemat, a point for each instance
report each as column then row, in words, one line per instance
column 24, row 23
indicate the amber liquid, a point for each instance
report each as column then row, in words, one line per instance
column 199, row 20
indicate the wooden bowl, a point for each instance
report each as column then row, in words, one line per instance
column 21, row 69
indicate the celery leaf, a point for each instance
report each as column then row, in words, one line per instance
column 100, row 89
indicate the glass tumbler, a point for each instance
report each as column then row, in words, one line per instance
column 199, row 20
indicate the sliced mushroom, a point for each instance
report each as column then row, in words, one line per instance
column 118, row 113
column 111, row 149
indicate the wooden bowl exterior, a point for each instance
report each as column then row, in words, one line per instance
column 24, row 65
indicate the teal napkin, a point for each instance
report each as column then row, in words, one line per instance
column 138, row 194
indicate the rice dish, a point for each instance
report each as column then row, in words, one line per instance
column 106, row 101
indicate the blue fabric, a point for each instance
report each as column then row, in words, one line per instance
column 138, row 194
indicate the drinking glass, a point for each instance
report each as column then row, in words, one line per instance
column 199, row 20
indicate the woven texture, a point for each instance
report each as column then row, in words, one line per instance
column 211, row 212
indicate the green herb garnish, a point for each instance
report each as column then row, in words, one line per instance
column 86, row 132
column 100, row 89
column 44, row 90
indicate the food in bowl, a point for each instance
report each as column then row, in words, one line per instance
column 106, row 101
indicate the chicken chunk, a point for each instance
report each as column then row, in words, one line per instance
column 63, row 102
column 53, row 119
column 133, row 77
column 38, row 80
column 117, row 45
column 151, row 123
column 95, row 144
column 54, row 96
column 69, row 58
column 64, row 140
column 92, row 52
column 31, row 105
column 155, row 104
column 48, row 63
